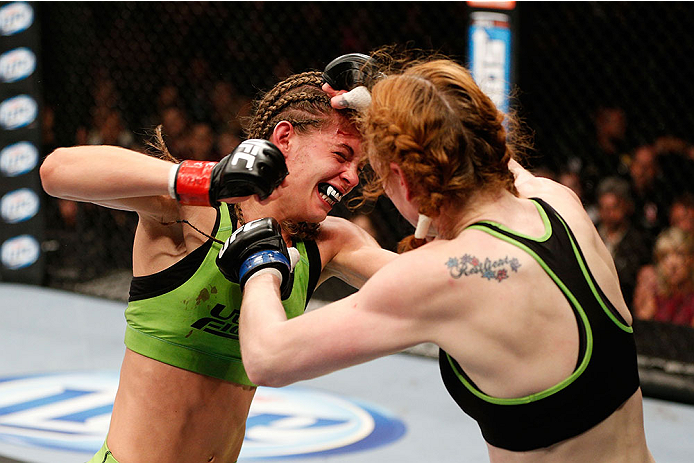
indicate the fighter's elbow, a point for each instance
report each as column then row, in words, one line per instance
column 47, row 173
column 263, row 373
column 50, row 170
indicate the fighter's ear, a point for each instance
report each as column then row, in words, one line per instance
column 397, row 172
column 281, row 135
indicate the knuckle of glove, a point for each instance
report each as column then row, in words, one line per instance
column 347, row 71
column 255, row 246
column 256, row 166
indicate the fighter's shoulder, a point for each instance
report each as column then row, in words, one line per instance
column 549, row 190
column 337, row 233
column 415, row 285
column 562, row 198
column 332, row 226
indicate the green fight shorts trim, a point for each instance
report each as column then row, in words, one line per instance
column 103, row 456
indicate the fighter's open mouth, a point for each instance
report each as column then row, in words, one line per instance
column 329, row 193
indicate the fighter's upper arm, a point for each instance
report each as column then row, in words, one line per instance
column 349, row 252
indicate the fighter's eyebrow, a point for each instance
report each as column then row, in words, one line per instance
column 348, row 148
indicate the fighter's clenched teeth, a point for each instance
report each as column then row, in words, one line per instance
column 329, row 193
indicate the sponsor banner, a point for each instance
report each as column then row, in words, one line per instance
column 20, row 252
column 71, row 412
column 18, row 111
column 19, row 205
column 15, row 17
column 17, row 64
column 21, row 214
column 296, row 422
column 490, row 55
column 18, row 159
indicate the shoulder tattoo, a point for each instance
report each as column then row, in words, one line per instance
column 469, row 265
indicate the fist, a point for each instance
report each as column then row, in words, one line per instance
column 255, row 167
column 256, row 246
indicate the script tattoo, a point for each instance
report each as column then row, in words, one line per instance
column 490, row 269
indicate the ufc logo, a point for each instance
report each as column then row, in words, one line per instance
column 219, row 323
column 246, row 152
column 247, row 227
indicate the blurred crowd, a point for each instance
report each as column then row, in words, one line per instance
column 641, row 199
column 85, row 241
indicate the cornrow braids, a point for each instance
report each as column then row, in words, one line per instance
column 298, row 99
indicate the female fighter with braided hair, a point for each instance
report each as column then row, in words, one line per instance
column 183, row 394
column 516, row 287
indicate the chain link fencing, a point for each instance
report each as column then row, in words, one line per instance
column 595, row 82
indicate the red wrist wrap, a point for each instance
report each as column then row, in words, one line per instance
column 193, row 182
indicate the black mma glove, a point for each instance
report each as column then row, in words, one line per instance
column 347, row 71
column 258, row 245
column 355, row 73
column 255, row 167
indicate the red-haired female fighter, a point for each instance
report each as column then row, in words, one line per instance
column 517, row 288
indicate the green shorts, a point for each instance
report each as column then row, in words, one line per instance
column 103, row 456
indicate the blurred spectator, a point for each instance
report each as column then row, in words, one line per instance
column 49, row 141
column 671, row 144
column 682, row 212
column 676, row 163
column 628, row 246
column 610, row 131
column 104, row 91
column 572, row 180
column 651, row 193
column 226, row 142
column 281, row 68
column 609, row 153
column 168, row 96
column 228, row 107
column 665, row 290
column 175, row 130
column 110, row 131
column 352, row 35
column 200, row 88
column 201, row 143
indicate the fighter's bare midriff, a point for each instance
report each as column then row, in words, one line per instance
column 185, row 416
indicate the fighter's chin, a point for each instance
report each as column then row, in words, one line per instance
column 316, row 215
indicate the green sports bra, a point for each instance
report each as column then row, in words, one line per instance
column 187, row 315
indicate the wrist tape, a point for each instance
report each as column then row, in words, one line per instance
column 189, row 182
column 263, row 258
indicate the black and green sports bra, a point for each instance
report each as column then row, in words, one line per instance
column 606, row 372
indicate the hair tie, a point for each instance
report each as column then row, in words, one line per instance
column 422, row 229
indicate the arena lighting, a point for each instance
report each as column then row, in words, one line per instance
column 493, row 5
column 490, row 49
column 21, row 214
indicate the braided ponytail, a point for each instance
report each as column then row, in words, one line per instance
column 449, row 139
